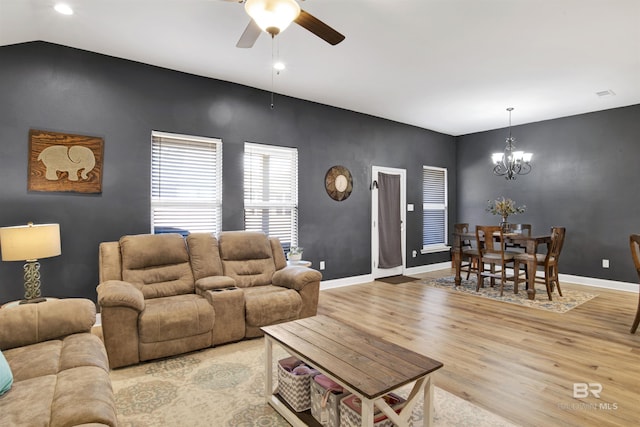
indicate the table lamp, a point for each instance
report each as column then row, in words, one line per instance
column 30, row 243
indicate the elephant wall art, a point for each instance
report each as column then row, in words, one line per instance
column 65, row 162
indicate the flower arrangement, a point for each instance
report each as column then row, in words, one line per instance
column 504, row 207
column 295, row 253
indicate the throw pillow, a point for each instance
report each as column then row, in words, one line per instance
column 6, row 377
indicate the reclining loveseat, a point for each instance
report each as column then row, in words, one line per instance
column 59, row 368
column 164, row 294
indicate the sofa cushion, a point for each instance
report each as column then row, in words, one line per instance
column 247, row 258
column 35, row 360
column 157, row 264
column 6, row 377
column 29, row 402
column 60, row 382
column 51, row 357
column 266, row 305
column 204, row 255
column 165, row 319
column 74, row 397
column 32, row 323
column 243, row 245
column 80, row 397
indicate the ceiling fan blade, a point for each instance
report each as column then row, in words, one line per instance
column 249, row 36
column 319, row 28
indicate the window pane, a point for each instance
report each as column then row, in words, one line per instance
column 271, row 191
column 186, row 183
column 434, row 227
column 434, row 206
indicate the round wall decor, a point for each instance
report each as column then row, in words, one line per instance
column 338, row 182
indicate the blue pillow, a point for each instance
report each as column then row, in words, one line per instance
column 6, row 377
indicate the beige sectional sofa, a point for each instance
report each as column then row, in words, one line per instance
column 60, row 370
column 162, row 295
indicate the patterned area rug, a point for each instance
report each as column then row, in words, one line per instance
column 224, row 386
column 560, row 304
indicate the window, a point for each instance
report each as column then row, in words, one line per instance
column 434, row 209
column 271, row 191
column 186, row 183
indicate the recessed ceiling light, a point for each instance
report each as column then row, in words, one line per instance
column 64, row 9
column 279, row 66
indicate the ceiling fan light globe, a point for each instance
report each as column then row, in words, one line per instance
column 272, row 16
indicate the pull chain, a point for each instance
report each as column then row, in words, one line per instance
column 272, row 68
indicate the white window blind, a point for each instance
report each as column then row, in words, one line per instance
column 434, row 208
column 186, row 183
column 271, row 191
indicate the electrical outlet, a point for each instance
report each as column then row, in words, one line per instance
column 414, row 253
column 321, row 265
column 605, row 263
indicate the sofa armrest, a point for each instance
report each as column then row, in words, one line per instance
column 214, row 282
column 32, row 323
column 296, row 277
column 116, row 293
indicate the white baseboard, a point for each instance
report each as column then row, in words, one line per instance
column 427, row 268
column 356, row 280
column 346, row 281
column 578, row 280
column 599, row 283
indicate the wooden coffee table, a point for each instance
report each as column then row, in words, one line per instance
column 366, row 365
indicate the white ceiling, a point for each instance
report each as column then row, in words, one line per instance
column 453, row 66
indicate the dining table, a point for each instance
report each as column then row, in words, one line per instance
column 529, row 243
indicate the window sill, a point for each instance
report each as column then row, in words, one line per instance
column 434, row 249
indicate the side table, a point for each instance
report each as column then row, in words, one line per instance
column 301, row 262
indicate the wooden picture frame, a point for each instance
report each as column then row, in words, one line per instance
column 62, row 162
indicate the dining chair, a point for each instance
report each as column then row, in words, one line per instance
column 634, row 242
column 548, row 262
column 492, row 251
column 470, row 253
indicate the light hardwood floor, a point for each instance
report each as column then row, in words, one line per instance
column 520, row 363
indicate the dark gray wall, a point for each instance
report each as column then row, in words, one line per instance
column 585, row 177
column 45, row 86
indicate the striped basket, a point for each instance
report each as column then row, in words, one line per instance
column 294, row 389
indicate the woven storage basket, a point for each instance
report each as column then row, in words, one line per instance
column 350, row 411
column 329, row 414
column 294, row 389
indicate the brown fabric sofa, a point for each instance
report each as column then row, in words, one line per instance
column 162, row 295
column 60, row 369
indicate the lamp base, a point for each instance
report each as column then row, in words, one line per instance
column 33, row 300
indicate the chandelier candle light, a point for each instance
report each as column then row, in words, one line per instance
column 511, row 163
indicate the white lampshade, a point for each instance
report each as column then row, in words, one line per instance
column 497, row 157
column 527, row 157
column 30, row 242
column 272, row 16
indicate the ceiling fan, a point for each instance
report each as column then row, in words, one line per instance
column 274, row 16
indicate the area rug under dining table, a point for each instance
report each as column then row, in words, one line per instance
column 224, row 386
column 559, row 304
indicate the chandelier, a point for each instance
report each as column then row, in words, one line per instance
column 511, row 163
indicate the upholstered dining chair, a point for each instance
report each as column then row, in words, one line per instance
column 634, row 242
column 492, row 251
column 548, row 262
column 470, row 254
